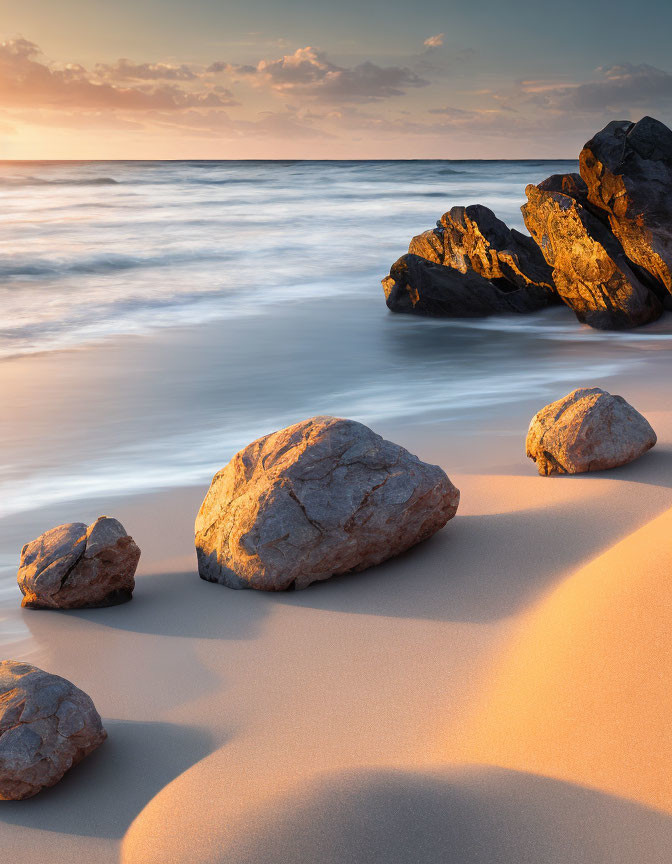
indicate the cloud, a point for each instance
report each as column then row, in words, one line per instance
column 27, row 80
column 306, row 96
column 624, row 85
column 230, row 68
column 126, row 70
column 617, row 88
column 434, row 41
column 310, row 73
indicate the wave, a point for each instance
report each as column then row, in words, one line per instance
column 60, row 181
column 109, row 262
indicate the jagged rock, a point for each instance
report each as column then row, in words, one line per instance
column 628, row 171
column 422, row 287
column 47, row 725
column 474, row 239
column 587, row 430
column 72, row 566
column 574, row 186
column 590, row 269
column 323, row 497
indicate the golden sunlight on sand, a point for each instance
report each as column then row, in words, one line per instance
column 584, row 694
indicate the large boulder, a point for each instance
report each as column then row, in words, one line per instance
column 474, row 239
column 591, row 272
column 47, row 725
column 587, row 430
column 323, row 497
column 422, row 287
column 74, row 566
column 627, row 168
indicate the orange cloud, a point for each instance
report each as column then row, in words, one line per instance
column 27, row 81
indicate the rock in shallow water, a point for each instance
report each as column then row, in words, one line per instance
column 72, row 566
column 473, row 239
column 470, row 265
column 628, row 171
column 47, row 725
column 590, row 269
column 323, row 497
column 587, row 430
column 421, row 287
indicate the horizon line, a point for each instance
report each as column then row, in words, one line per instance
column 299, row 159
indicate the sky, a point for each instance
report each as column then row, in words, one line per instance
column 347, row 79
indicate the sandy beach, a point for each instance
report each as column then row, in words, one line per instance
column 499, row 693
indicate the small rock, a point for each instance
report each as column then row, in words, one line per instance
column 72, row 566
column 323, row 497
column 47, row 725
column 421, row 287
column 587, row 430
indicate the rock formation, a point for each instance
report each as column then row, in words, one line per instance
column 424, row 288
column 627, row 168
column 470, row 265
column 587, row 430
column 590, row 269
column 323, row 497
column 47, row 725
column 604, row 242
column 473, row 239
column 72, row 566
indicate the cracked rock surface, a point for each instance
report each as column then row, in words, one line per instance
column 587, row 430
column 470, row 265
column 320, row 498
column 628, row 171
column 47, row 725
column 74, row 566
column 473, row 239
column 592, row 274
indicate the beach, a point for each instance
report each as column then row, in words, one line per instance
column 497, row 693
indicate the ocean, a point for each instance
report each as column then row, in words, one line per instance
column 157, row 316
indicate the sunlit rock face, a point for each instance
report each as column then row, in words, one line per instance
column 591, row 272
column 470, row 265
column 422, row 287
column 323, row 497
column 627, row 168
column 587, row 430
column 47, row 725
column 474, row 239
column 74, row 566
column 601, row 242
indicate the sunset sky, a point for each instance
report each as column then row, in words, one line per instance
column 319, row 79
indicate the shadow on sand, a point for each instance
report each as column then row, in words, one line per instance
column 479, row 568
column 483, row 567
column 102, row 795
column 654, row 468
column 478, row 814
column 180, row 604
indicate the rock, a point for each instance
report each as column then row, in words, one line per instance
column 574, row 186
column 627, row 168
column 72, row 566
column 421, row 287
column 591, row 272
column 587, row 430
column 47, row 725
column 474, row 239
column 323, row 497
